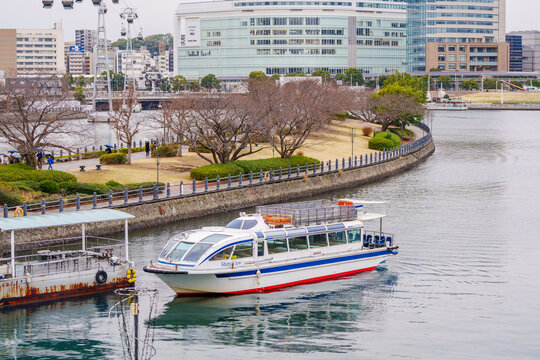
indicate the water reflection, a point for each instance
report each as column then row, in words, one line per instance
column 298, row 319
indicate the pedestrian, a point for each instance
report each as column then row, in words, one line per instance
column 39, row 158
column 108, row 150
column 147, row 147
column 50, row 160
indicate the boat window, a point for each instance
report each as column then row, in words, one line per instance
column 168, row 247
column 196, row 252
column 243, row 250
column 354, row 235
column 337, row 238
column 260, row 248
column 335, row 226
column 318, row 240
column 298, row 243
column 316, row 228
column 235, row 224
column 275, row 233
column 248, row 224
column 214, row 238
column 296, row 232
column 277, row 246
column 224, row 254
column 178, row 253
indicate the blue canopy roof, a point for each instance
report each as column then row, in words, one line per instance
column 62, row 219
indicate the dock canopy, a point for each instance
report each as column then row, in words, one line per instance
column 62, row 219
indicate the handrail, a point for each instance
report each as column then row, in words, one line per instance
column 194, row 188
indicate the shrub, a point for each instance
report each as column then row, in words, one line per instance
column 49, row 187
column 133, row 149
column 342, row 115
column 83, row 188
column 406, row 135
column 112, row 183
column 383, row 140
column 113, row 159
column 366, row 131
column 25, row 185
column 200, row 148
column 7, row 197
column 213, row 170
column 13, row 174
column 93, row 154
column 166, row 151
column 245, row 166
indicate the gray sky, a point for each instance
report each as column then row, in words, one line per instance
column 156, row 16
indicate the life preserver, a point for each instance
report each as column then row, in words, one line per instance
column 131, row 276
column 266, row 176
column 101, row 277
column 19, row 212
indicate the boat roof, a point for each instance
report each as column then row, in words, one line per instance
column 62, row 219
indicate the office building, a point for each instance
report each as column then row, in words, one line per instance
column 232, row 38
column 86, row 39
column 515, row 42
column 531, row 49
column 458, row 35
column 41, row 51
column 8, row 52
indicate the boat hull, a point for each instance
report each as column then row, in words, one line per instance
column 272, row 276
column 44, row 288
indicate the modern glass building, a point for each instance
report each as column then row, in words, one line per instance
column 232, row 38
column 456, row 35
column 516, row 52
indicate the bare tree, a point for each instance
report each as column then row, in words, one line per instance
column 172, row 117
column 363, row 106
column 37, row 113
column 223, row 125
column 125, row 124
column 395, row 108
column 302, row 109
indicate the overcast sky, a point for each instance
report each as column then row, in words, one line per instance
column 156, row 16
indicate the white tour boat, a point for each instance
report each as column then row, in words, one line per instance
column 278, row 246
column 64, row 267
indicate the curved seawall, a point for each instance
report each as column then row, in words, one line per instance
column 160, row 212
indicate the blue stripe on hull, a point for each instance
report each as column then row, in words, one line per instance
column 305, row 264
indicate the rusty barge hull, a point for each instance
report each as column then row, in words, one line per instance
column 28, row 290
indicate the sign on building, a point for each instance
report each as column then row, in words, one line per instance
column 193, row 32
column 75, row 49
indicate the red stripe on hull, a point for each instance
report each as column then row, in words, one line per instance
column 280, row 286
column 45, row 297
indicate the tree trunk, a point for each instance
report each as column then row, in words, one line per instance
column 31, row 160
column 180, row 143
column 129, row 153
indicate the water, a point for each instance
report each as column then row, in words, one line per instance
column 465, row 284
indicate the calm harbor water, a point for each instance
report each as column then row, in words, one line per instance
column 465, row 284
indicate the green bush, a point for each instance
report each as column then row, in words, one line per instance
column 25, row 185
column 245, row 166
column 83, row 188
column 383, row 140
column 201, row 149
column 7, row 197
column 113, row 159
column 13, row 174
column 166, row 151
column 145, row 185
column 49, row 187
column 93, row 154
column 133, row 149
column 213, row 170
column 406, row 135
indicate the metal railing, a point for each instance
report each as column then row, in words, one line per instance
column 194, row 188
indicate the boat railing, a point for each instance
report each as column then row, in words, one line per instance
column 61, row 256
column 374, row 239
column 309, row 213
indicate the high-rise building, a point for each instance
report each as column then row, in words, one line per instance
column 41, row 51
column 8, row 52
column 74, row 58
column 233, row 38
column 86, row 39
column 531, row 49
column 458, row 35
column 515, row 43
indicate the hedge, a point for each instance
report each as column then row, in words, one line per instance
column 49, row 187
column 7, row 197
column 166, row 151
column 406, row 135
column 245, row 166
column 83, row 188
column 10, row 173
column 133, row 149
column 384, row 140
column 113, row 159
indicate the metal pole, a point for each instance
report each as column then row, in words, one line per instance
column 126, row 238
column 135, row 311
column 12, row 253
column 83, row 237
column 273, row 151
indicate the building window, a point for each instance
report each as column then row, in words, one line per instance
column 295, row 32
column 312, row 21
column 452, row 57
column 442, row 49
column 462, row 66
column 451, row 48
column 451, row 66
column 280, row 21
column 296, row 21
column 263, row 21
column 442, row 58
column 463, row 49
column 462, row 57
column 442, row 67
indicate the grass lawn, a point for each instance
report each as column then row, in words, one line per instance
column 509, row 97
column 333, row 144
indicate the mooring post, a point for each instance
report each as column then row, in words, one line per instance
column 140, row 194
column 94, row 200
column 297, row 170
column 25, row 208
column 260, row 176
column 355, row 161
column 6, row 213
column 181, row 188
column 78, row 202
column 110, row 197
column 43, row 209
column 168, row 190
column 217, row 183
column 240, row 180
column 194, row 186
column 250, row 177
column 229, row 181
column 280, row 173
column 206, row 184
column 126, row 196
column 155, row 192
column 61, row 204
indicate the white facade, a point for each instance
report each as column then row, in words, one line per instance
column 232, row 38
column 41, row 51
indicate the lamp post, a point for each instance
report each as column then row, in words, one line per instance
column 156, row 146
column 352, row 143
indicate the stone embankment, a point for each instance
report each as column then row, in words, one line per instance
column 161, row 212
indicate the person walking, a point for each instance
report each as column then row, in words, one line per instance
column 50, row 160
column 147, row 147
column 39, row 159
